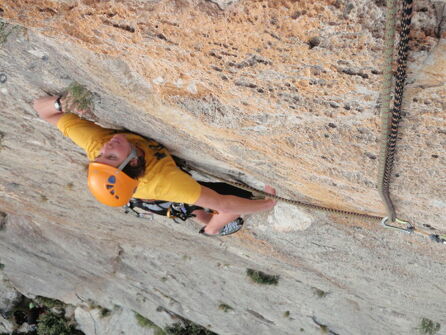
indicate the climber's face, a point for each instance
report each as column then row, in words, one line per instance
column 115, row 151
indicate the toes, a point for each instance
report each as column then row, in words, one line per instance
column 269, row 189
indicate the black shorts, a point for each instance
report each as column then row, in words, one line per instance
column 226, row 189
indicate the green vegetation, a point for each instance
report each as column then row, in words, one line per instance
column 52, row 324
column 80, row 96
column 187, row 328
column 2, row 136
column 262, row 278
column 319, row 293
column 225, row 308
column 5, row 30
column 428, row 327
column 286, row 314
column 46, row 314
column 2, row 266
column 146, row 323
column 324, row 329
column 48, row 302
column 105, row 312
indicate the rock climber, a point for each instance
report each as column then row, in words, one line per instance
column 124, row 165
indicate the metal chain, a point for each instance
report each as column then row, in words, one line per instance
column 403, row 50
column 440, row 238
column 289, row 201
column 390, row 134
column 385, row 97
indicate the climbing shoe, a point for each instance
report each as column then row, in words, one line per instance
column 230, row 228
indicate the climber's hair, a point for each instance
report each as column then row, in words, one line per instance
column 134, row 172
column 138, row 170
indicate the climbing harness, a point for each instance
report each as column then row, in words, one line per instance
column 175, row 210
column 172, row 210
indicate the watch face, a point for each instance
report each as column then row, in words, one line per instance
column 57, row 105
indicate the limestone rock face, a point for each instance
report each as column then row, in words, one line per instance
column 120, row 321
column 275, row 92
column 8, row 298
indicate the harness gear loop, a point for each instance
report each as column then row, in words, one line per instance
column 130, row 206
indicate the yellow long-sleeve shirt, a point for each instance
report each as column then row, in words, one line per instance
column 162, row 179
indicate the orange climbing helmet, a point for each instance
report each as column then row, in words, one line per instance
column 110, row 185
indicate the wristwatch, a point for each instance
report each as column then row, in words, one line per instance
column 58, row 105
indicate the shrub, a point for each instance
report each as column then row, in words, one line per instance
column 319, row 292
column 429, row 327
column 262, row 278
column 49, row 303
column 5, row 30
column 81, row 97
column 146, row 323
column 187, row 328
column 52, row 324
column 105, row 312
column 225, row 308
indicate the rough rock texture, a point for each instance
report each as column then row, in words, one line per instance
column 120, row 321
column 278, row 92
column 8, row 298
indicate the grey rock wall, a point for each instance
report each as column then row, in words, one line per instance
column 338, row 274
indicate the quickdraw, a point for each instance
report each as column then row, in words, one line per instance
column 407, row 229
column 410, row 229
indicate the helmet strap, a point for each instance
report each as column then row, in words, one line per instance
column 132, row 155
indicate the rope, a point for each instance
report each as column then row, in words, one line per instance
column 289, row 201
column 403, row 49
column 440, row 238
column 385, row 95
column 390, row 133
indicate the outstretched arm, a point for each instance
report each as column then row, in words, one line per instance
column 230, row 204
column 229, row 207
column 45, row 107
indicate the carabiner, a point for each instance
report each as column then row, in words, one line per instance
column 438, row 238
column 409, row 229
